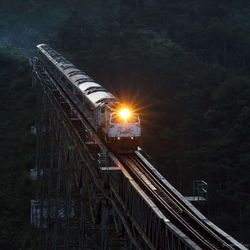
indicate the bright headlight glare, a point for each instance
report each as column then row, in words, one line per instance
column 124, row 113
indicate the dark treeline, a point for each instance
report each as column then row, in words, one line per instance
column 16, row 144
column 185, row 66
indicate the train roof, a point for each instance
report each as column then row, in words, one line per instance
column 93, row 91
column 86, row 85
column 100, row 97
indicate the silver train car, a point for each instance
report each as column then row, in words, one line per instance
column 116, row 123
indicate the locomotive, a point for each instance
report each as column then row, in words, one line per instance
column 116, row 123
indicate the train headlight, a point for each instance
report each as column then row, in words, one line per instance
column 124, row 113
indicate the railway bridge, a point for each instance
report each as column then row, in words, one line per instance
column 90, row 198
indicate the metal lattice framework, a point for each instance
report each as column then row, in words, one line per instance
column 86, row 199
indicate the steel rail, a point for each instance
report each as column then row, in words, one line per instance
column 97, row 183
column 83, row 120
column 186, row 209
column 165, row 197
column 164, row 205
column 167, row 201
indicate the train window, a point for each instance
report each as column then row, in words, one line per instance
column 70, row 86
column 94, row 89
column 83, row 80
column 73, row 73
column 79, row 96
column 133, row 119
column 64, row 67
column 105, row 100
column 117, row 119
column 88, row 106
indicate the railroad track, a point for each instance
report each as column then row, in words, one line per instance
column 172, row 206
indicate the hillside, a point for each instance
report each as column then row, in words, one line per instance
column 17, row 114
column 185, row 64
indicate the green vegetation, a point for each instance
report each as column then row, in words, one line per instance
column 23, row 24
column 185, row 62
column 188, row 63
column 16, row 143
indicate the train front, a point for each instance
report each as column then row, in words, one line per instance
column 124, row 130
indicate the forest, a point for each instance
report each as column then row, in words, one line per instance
column 184, row 64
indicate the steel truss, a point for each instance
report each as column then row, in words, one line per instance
column 87, row 199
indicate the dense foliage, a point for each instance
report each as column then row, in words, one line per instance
column 187, row 62
column 184, row 64
column 16, row 143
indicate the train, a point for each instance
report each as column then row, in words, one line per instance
column 116, row 123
